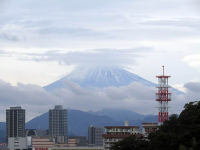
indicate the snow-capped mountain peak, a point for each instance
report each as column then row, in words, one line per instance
column 99, row 77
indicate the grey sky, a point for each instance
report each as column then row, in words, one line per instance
column 169, row 28
column 41, row 41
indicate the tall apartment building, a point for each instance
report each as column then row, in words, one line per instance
column 15, row 122
column 95, row 136
column 58, row 124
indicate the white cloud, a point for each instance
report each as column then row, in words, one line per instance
column 179, row 87
column 135, row 97
column 193, row 61
column 36, row 100
column 35, row 67
column 104, row 57
column 49, row 23
column 31, row 96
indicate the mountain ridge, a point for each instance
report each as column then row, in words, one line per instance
column 79, row 121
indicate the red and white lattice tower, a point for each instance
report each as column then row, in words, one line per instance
column 163, row 97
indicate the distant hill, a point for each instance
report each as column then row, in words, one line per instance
column 120, row 114
column 2, row 131
column 39, row 122
column 79, row 121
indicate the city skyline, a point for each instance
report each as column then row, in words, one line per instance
column 43, row 41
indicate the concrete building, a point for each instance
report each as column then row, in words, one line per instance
column 4, row 148
column 114, row 134
column 72, row 142
column 95, row 136
column 77, row 141
column 42, row 143
column 15, row 122
column 3, row 145
column 148, row 128
column 76, row 148
column 58, row 124
column 19, row 143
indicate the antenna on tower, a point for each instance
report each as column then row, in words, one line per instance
column 163, row 70
column 163, row 97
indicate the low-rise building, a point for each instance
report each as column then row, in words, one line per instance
column 19, row 143
column 42, row 143
column 4, row 148
column 72, row 142
column 77, row 141
column 3, row 145
column 114, row 134
column 148, row 128
column 77, row 148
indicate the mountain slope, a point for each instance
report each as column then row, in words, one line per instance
column 120, row 114
column 99, row 77
column 39, row 122
column 79, row 121
column 2, row 132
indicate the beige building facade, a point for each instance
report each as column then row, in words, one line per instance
column 114, row 134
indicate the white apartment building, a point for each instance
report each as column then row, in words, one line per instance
column 148, row 128
column 19, row 143
column 114, row 134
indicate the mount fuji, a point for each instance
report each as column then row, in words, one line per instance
column 99, row 77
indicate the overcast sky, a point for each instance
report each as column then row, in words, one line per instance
column 41, row 41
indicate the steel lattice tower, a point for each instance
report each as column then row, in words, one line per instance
column 163, row 97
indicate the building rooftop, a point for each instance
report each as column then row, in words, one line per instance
column 127, row 127
column 149, row 123
column 4, row 148
column 120, row 135
column 15, row 108
column 58, row 107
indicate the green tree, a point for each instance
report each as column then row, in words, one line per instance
column 177, row 133
column 181, row 132
column 131, row 143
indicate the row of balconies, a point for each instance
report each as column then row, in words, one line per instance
column 111, row 140
column 121, row 130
